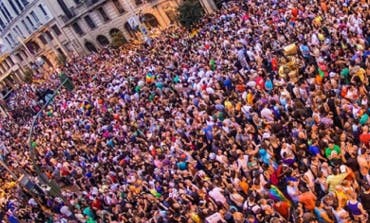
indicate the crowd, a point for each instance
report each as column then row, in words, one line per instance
column 259, row 114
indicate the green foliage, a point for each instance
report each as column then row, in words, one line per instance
column 68, row 84
column 28, row 75
column 190, row 12
column 118, row 39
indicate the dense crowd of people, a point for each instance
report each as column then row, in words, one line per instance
column 259, row 114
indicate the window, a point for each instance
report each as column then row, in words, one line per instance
column 118, row 6
column 25, row 26
column 7, row 40
column 56, row 30
column 65, row 9
column 19, row 56
column 19, row 5
column 11, row 61
column 77, row 29
column 25, row 2
column 60, row 51
column 30, row 22
column 16, row 31
column 4, row 14
column 48, row 34
column 19, row 30
column 103, row 14
column 6, row 66
column 43, row 10
column 11, row 38
column 90, row 22
column 6, row 11
column 34, row 16
column 14, row 7
column 2, row 24
column 43, row 39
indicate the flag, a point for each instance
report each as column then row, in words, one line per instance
column 276, row 195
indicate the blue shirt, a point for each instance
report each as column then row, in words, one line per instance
column 12, row 219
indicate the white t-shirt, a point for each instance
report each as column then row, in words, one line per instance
column 216, row 195
column 215, row 218
column 292, row 191
column 65, row 211
column 267, row 114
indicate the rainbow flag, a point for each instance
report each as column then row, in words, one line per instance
column 276, row 195
column 149, row 78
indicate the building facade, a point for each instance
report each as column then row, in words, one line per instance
column 93, row 23
column 30, row 38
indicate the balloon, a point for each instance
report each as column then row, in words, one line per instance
column 183, row 156
column 182, row 165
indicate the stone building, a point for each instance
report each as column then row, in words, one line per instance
column 30, row 38
column 38, row 34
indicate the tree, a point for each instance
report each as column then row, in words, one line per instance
column 190, row 13
column 28, row 75
column 118, row 39
column 68, row 83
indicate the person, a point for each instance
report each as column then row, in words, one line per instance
column 333, row 153
column 321, row 214
column 341, row 215
column 365, row 197
column 308, row 199
column 356, row 209
column 363, row 162
column 217, row 122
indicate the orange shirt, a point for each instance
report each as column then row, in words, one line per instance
column 244, row 186
column 324, row 7
column 283, row 208
column 308, row 200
